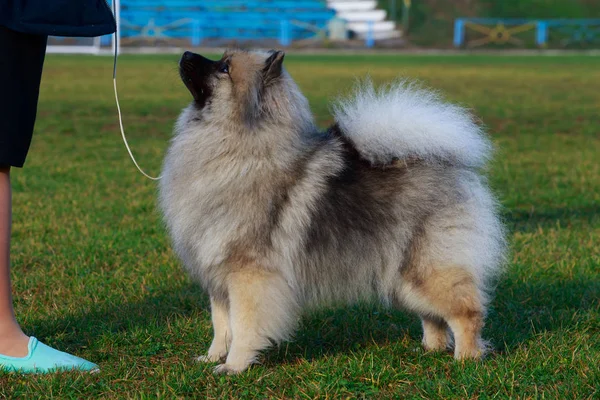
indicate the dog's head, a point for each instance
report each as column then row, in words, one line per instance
column 242, row 86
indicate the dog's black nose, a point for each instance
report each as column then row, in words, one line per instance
column 196, row 60
column 187, row 56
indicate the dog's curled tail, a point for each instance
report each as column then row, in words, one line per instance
column 403, row 120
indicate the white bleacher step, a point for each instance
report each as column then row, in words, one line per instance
column 363, row 27
column 357, row 5
column 383, row 35
column 372, row 15
column 380, row 30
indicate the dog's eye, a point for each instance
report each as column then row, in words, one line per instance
column 224, row 68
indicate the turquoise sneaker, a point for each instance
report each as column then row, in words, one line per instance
column 43, row 359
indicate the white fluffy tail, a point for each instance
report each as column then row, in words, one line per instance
column 403, row 120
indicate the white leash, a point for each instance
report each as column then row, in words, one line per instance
column 123, row 134
column 119, row 111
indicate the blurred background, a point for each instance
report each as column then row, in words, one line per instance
column 167, row 25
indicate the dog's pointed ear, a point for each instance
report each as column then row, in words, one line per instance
column 273, row 66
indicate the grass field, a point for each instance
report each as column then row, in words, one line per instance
column 94, row 274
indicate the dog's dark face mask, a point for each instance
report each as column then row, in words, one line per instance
column 195, row 71
column 238, row 81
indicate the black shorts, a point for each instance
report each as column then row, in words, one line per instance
column 21, row 61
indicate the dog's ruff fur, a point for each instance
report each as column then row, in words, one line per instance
column 272, row 217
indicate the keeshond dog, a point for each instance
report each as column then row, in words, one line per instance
column 273, row 217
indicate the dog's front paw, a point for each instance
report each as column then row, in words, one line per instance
column 214, row 354
column 228, row 369
column 210, row 358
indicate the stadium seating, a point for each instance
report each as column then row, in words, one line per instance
column 362, row 16
column 235, row 20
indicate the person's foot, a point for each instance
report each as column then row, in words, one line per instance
column 14, row 344
column 44, row 359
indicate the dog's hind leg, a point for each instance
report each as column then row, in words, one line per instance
column 222, row 332
column 435, row 333
column 262, row 310
column 450, row 294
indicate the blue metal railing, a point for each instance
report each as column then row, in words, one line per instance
column 503, row 30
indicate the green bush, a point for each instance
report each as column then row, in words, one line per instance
column 431, row 21
column 540, row 9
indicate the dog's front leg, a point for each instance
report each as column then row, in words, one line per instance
column 222, row 331
column 262, row 310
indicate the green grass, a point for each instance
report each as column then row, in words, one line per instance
column 94, row 274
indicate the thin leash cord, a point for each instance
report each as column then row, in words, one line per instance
column 119, row 111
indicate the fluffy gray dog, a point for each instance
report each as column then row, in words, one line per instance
column 272, row 216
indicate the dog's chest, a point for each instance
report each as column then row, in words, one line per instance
column 210, row 206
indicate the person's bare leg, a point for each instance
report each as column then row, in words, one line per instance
column 13, row 342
